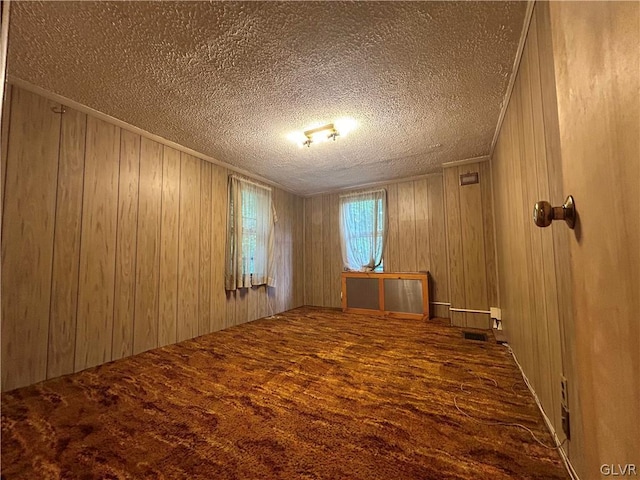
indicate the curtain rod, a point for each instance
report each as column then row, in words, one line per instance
column 363, row 192
column 237, row 177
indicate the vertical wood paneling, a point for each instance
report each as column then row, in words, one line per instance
column 393, row 245
column 406, row 227
column 438, row 260
column 27, row 245
column 561, row 236
column 218, row 245
column 456, row 255
column 125, row 283
column 546, row 254
column 472, row 227
column 145, row 332
column 524, row 165
column 189, row 248
column 98, row 245
column 470, row 234
column 169, row 228
column 309, row 279
column 423, row 248
column 4, row 140
column 299, row 246
column 242, row 306
column 204, row 310
column 536, row 310
column 317, row 251
column 66, row 250
column 327, row 231
column 230, row 319
column 489, row 238
column 131, row 230
column 335, row 260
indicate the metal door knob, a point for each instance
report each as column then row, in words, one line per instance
column 544, row 213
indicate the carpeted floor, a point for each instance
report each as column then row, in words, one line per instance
column 308, row 394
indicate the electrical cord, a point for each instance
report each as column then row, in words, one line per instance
column 504, row 424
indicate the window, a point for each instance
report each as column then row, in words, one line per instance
column 249, row 231
column 249, row 259
column 363, row 230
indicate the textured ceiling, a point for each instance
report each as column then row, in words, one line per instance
column 424, row 80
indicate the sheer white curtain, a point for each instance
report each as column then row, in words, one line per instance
column 363, row 229
column 250, row 235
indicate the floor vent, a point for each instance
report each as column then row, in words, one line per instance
column 481, row 337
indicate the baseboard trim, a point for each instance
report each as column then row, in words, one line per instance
column 565, row 458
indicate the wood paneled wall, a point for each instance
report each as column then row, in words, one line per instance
column 113, row 244
column 473, row 278
column 533, row 268
column 416, row 240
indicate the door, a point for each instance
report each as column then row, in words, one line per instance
column 596, row 54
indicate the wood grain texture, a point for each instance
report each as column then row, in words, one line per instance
column 115, row 240
column 125, row 282
column 551, row 302
column 532, row 241
column 422, row 241
column 406, row 227
column 242, row 306
column 525, row 165
column 328, row 228
column 457, row 292
column 204, row 298
column 189, row 248
column 561, row 236
column 438, row 258
column 4, row 140
column 230, row 318
column 472, row 229
column 309, row 279
column 491, row 271
column 66, row 250
column 299, row 246
column 98, row 245
column 218, row 245
column 598, row 87
column 469, row 233
column 145, row 333
column 169, row 223
column 335, row 247
column 317, row 251
column 27, row 245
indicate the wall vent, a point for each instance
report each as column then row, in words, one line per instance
column 481, row 337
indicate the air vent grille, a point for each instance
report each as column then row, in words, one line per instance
column 481, row 337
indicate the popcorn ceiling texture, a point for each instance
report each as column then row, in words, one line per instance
column 424, row 80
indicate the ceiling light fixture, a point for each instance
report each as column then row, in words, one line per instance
column 320, row 134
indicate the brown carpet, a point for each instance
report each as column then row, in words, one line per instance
column 309, row 394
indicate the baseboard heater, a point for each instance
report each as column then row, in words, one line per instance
column 400, row 294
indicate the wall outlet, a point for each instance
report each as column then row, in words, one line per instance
column 564, row 392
